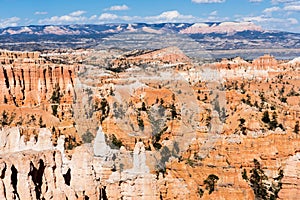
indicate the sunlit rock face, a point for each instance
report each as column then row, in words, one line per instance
column 37, row 171
column 28, row 79
column 146, row 125
column 100, row 147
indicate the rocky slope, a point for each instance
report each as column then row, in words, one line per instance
column 147, row 124
column 36, row 91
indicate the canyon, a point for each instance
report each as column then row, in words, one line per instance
column 147, row 124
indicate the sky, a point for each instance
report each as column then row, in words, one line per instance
column 270, row 14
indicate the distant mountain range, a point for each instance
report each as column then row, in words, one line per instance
column 182, row 28
column 211, row 36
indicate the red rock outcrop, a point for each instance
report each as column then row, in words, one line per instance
column 30, row 80
column 169, row 55
column 177, row 131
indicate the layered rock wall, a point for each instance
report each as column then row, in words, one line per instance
column 29, row 80
column 158, row 138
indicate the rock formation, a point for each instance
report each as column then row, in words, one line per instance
column 159, row 128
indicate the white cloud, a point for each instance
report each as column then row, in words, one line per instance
column 108, row 16
column 78, row 17
column 261, row 19
column 292, row 8
column 293, row 20
column 169, row 16
column 93, row 17
column 40, row 13
column 77, row 13
column 117, row 8
column 13, row 21
column 132, row 18
column 213, row 17
column 280, row 22
column 255, row 1
column 272, row 9
column 272, row 23
column 213, row 13
column 283, row 1
column 208, row 1
column 74, row 17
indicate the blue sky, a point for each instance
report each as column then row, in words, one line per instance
column 270, row 14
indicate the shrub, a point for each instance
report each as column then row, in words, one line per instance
column 70, row 143
column 144, row 107
column 173, row 111
column 296, row 129
column 103, row 107
column 87, row 137
column 266, row 118
column 210, row 183
column 54, row 109
column 55, row 98
column 242, row 121
column 41, row 123
column 157, row 146
column 200, row 192
column 262, row 187
column 4, row 120
column 141, row 123
column 283, row 99
column 116, row 142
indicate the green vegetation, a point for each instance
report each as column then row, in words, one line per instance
column 115, row 142
column 54, row 109
column 118, row 111
column 200, row 192
column 55, row 98
column 283, row 99
column 87, row 137
column 263, row 188
column 157, row 145
column 5, row 119
column 70, row 142
column 158, row 135
column 144, row 107
column 5, row 99
column 141, row 124
column 190, row 162
column 104, row 109
column 273, row 124
column 173, row 111
column 244, row 174
column 210, row 183
column 242, row 126
column 41, row 123
column 266, row 118
column 296, row 128
column 103, row 106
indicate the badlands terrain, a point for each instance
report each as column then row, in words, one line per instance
column 147, row 124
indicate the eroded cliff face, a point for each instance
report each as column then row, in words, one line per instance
column 29, row 80
column 147, row 125
column 36, row 92
column 38, row 170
